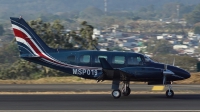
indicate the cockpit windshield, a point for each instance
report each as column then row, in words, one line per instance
column 148, row 59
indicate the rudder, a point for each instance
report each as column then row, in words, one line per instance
column 29, row 43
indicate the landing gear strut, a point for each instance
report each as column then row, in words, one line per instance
column 125, row 91
column 125, row 88
column 169, row 92
column 116, row 93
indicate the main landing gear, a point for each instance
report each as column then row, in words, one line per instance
column 116, row 93
column 125, row 88
column 125, row 91
column 169, row 92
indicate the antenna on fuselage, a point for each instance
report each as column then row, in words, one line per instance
column 96, row 47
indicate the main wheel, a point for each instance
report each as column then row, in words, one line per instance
column 127, row 92
column 170, row 93
column 116, row 94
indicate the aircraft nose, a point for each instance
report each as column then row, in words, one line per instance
column 183, row 74
column 186, row 75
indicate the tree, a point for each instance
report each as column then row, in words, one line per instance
column 108, row 21
column 86, row 33
column 135, row 18
column 91, row 13
column 52, row 33
column 186, row 62
column 194, row 16
column 1, row 30
column 197, row 29
column 160, row 47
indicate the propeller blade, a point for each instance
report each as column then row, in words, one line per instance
column 174, row 61
column 164, row 79
column 165, row 67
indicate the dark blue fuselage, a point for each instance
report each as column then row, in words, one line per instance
column 84, row 63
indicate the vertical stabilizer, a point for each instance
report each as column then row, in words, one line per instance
column 29, row 43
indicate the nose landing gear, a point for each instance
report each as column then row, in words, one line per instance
column 169, row 92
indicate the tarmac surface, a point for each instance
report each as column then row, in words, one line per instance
column 100, row 102
column 186, row 98
column 87, row 87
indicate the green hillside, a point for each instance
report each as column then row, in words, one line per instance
column 53, row 6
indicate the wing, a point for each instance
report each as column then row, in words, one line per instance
column 110, row 73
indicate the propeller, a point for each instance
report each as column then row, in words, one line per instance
column 165, row 67
column 166, row 73
column 164, row 79
column 174, row 61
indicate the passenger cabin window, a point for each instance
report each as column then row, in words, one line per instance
column 134, row 60
column 85, row 59
column 71, row 59
column 100, row 56
column 118, row 60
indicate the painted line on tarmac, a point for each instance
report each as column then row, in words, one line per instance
column 158, row 88
column 99, row 110
column 88, row 92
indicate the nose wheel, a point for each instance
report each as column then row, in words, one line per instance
column 169, row 92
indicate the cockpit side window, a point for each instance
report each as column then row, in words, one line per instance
column 147, row 59
column 134, row 60
column 71, row 59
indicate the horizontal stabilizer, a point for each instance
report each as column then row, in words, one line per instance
column 105, row 64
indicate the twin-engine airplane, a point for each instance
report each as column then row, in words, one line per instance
column 99, row 65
